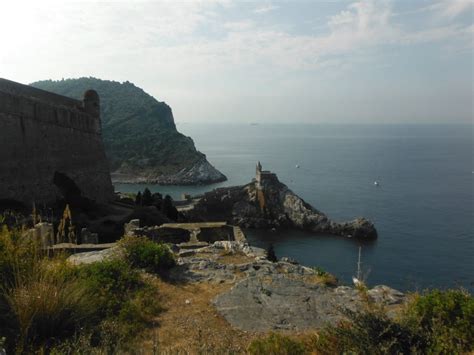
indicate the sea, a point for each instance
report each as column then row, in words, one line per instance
column 423, row 206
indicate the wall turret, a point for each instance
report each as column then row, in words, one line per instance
column 91, row 103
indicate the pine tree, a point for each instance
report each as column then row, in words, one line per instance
column 138, row 199
column 147, row 199
column 168, row 209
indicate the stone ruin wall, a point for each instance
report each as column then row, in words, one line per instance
column 42, row 133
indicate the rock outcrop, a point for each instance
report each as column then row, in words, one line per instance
column 198, row 173
column 270, row 296
column 264, row 295
column 273, row 205
column 275, row 301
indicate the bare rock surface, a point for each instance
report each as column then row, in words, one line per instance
column 94, row 256
column 277, row 301
column 273, row 296
column 202, row 172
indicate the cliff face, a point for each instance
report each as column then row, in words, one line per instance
column 50, row 145
column 140, row 136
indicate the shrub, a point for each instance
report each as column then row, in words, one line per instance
column 46, row 306
column 320, row 271
column 328, row 280
column 276, row 344
column 47, row 303
column 325, row 277
column 140, row 310
column 369, row 332
column 438, row 322
column 111, row 282
column 18, row 254
column 447, row 317
column 271, row 254
column 144, row 253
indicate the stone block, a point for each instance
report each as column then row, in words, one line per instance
column 89, row 238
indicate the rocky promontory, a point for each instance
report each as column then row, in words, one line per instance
column 199, row 173
column 268, row 203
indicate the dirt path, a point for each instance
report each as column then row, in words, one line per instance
column 190, row 323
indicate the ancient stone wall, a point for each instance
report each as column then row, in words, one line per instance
column 42, row 134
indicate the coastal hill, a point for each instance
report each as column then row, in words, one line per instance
column 140, row 136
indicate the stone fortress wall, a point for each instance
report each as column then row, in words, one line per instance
column 42, row 135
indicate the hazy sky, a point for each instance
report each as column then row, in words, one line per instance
column 235, row 61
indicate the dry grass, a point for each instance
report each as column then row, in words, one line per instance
column 228, row 257
column 190, row 324
column 327, row 279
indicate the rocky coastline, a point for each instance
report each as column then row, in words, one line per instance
column 271, row 204
column 200, row 173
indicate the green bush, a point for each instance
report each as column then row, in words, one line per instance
column 438, row 322
column 146, row 254
column 369, row 332
column 112, row 282
column 48, row 303
column 448, row 319
column 139, row 311
column 276, row 344
column 320, row 271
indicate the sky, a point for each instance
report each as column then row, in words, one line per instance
column 364, row 61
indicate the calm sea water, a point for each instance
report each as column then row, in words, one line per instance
column 423, row 208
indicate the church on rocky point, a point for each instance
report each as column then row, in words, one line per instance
column 264, row 177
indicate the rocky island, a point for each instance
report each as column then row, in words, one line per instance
column 140, row 137
column 268, row 203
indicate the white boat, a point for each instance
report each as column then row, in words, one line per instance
column 376, row 183
column 297, row 166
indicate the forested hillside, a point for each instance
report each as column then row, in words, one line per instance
column 139, row 133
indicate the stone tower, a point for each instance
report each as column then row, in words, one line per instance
column 91, row 104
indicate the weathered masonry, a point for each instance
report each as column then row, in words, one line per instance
column 47, row 140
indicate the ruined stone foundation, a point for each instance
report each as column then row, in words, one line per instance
column 47, row 140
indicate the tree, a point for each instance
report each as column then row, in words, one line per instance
column 271, row 254
column 138, row 198
column 147, row 199
column 168, row 209
column 157, row 200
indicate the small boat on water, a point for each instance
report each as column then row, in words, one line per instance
column 297, row 166
column 376, row 183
